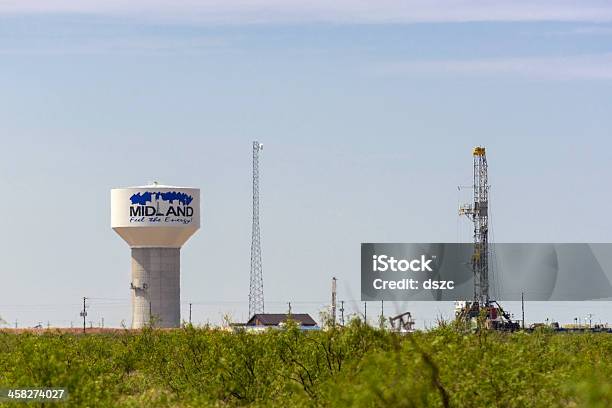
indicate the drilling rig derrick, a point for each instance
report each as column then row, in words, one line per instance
column 478, row 212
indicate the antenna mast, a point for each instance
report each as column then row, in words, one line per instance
column 256, row 295
column 478, row 212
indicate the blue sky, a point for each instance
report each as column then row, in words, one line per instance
column 368, row 115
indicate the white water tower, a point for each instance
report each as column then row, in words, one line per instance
column 155, row 221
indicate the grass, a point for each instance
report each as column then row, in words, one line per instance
column 353, row 366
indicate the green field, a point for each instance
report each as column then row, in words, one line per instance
column 354, row 366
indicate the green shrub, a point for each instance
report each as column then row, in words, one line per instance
column 356, row 365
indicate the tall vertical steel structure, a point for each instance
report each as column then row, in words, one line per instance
column 478, row 212
column 256, row 295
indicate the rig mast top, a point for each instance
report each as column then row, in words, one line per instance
column 478, row 213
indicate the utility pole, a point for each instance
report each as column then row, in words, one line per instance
column 334, row 301
column 189, row 313
column 382, row 308
column 256, row 294
column 365, row 312
column 342, row 311
column 15, row 323
column 289, row 304
column 523, row 308
column 84, row 314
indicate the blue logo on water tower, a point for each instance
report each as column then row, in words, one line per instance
column 170, row 196
column 157, row 206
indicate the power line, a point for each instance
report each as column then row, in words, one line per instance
column 84, row 313
column 284, row 302
column 333, row 305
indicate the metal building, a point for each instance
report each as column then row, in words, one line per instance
column 155, row 221
column 277, row 319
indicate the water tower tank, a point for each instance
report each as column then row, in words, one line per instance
column 155, row 221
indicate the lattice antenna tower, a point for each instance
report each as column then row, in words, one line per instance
column 256, row 294
column 478, row 213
